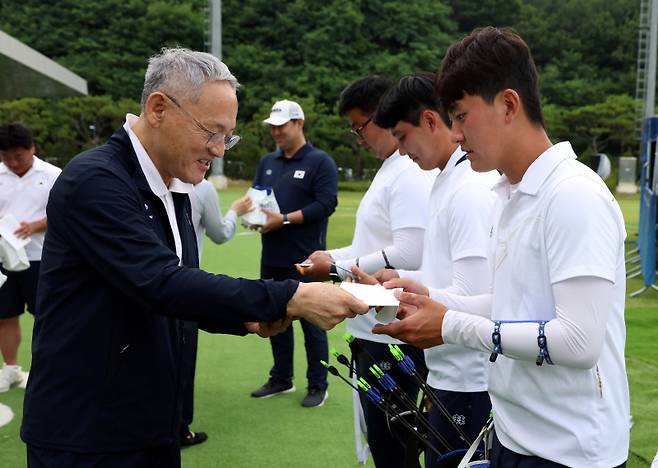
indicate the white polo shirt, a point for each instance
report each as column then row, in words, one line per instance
column 397, row 198
column 25, row 198
column 157, row 185
column 458, row 227
column 560, row 223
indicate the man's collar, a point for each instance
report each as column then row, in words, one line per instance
column 541, row 168
column 153, row 177
column 37, row 165
column 456, row 157
column 299, row 154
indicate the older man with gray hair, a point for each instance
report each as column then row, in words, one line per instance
column 120, row 273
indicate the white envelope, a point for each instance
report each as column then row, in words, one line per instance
column 375, row 295
column 8, row 225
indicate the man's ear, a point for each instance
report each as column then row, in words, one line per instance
column 433, row 119
column 511, row 102
column 155, row 108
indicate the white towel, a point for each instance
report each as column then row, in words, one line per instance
column 12, row 258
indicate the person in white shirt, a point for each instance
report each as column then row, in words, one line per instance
column 390, row 225
column 554, row 321
column 207, row 216
column 454, row 255
column 25, row 182
column 207, row 220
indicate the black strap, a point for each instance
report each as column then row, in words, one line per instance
column 495, row 338
column 543, row 347
column 388, row 265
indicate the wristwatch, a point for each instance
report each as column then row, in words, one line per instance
column 286, row 221
column 333, row 274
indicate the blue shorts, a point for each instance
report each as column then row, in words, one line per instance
column 469, row 412
column 19, row 291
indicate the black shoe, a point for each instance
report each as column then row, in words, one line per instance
column 193, row 438
column 315, row 397
column 273, row 387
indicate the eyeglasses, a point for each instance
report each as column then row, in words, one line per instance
column 214, row 138
column 357, row 131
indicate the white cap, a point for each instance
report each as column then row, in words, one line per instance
column 284, row 111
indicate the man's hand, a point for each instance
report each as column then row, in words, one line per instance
column 242, row 205
column 324, row 305
column 362, row 276
column 408, row 285
column 421, row 321
column 385, row 274
column 320, row 261
column 268, row 329
column 274, row 221
column 26, row 230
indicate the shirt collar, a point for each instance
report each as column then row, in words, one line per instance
column 37, row 165
column 540, row 169
column 455, row 158
column 392, row 157
column 153, row 177
column 306, row 147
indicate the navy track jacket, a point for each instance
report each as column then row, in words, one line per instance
column 107, row 343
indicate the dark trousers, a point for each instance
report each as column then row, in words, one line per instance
column 502, row 457
column 388, row 448
column 188, row 371
column 156, row 457
column 469, row 411
column 283, row 344
column 19, row 290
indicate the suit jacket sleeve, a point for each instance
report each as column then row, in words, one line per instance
column 105, row 218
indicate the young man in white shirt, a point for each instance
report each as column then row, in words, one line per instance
column 390, row 225
column 454, row 254
column 554, row 322
column 25, row 182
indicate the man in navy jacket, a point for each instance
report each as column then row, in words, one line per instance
column 305, row 184
column 119, row 273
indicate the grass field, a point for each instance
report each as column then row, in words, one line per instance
column 278, row 432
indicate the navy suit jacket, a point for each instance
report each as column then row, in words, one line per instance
column 108, row 342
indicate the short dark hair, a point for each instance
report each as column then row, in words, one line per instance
column 15, row 135
column 484, row 63
column 406, row 100
column 363, row 94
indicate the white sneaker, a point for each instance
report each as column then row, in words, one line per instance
column 10, row 376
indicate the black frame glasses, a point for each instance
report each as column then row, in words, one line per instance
column 357, row 131
column 214, row 138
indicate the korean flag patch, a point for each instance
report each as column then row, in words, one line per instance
column 299, row 174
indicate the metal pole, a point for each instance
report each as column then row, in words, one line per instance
column 217, row 167
column 650, row 97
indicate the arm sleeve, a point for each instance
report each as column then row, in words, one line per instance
column 574, row 338
column 325, row 192
column 406, row 252
column 470, row 277
column 104, row 218
column 342, row 253
column 416, row 275
column 218, row 229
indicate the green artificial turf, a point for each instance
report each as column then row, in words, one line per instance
column 278, row 432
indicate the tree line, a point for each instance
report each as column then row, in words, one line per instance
column 309, row 50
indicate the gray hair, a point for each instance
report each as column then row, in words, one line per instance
column 183, row 72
